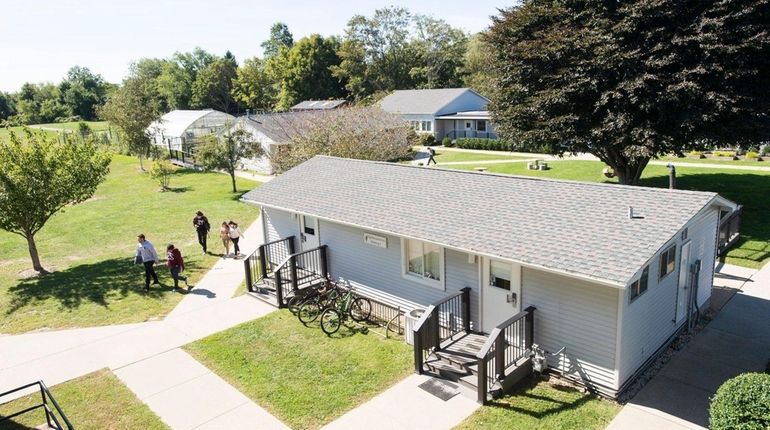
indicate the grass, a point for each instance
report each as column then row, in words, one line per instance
column 97, row 401
column 458, row 156
column 299, row 374
column 749, row 188
column 543, row 406
column 95, row 125
column 91, row 245
column 723, row 161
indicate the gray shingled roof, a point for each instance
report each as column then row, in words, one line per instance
column 574, row 227
column 426, row 102
column 318, row 104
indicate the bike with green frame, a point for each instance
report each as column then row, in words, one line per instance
column 345, row 306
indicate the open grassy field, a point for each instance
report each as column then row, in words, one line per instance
column 90, row 247
column 543, row 406
column 97, row 401
column 299, row 374
column 719, row 160
column 49, row 128
column 749, row 188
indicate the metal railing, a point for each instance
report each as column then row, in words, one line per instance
column 508, row 344
column 441, row 321
column 300, row 268
column 729, row 230
column 265, row 258
column 47, row 399
column 461, row 133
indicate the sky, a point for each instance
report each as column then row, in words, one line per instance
column 41, row 40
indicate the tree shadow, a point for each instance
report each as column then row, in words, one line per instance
column 179, row 189
column 539, row 405
column 13, row 425
column 100, row 283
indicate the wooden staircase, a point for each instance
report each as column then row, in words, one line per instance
column 457, row 361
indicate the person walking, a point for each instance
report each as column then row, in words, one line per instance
column 432, row 153
column 224, row 233
column 175, row 265
column 146, row 253
column 235, row 236
column 202, row 227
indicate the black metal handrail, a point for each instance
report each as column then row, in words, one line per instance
column 441, row 321
column 506, row 346
column 46, row 396
column 265, row 258
column 729, row 230
column 296, row 269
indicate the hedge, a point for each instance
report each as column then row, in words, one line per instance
column 742, row 403
column 481, row 143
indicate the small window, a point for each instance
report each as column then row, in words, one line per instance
column 423, row 260
column 639, row 286
column 468, row 125
column 427, row 126
column 481, row 125
column 308, row 224
column 667, row 261
column 500, row 275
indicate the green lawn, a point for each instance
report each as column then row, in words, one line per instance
column 543, row 406
column 457, row 156
column 299, row 374
column 749, row 188
column 90, row 246
column 97, row 401
column 718, row 160
column 95, row 125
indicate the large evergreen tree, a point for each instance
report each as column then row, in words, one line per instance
column 628, row 81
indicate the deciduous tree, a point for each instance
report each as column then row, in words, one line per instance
column 307, row 73
column 253, row 87
column 40, row 176
column 280, row 38
column 225, row 151
column 213, row 85
column 628, row 81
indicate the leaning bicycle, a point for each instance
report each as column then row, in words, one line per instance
column 311, row 308
column 346, row 306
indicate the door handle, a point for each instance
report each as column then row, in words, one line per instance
column 511, row 298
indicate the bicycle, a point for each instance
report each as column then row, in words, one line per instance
column 311, row 308
column 346, row 306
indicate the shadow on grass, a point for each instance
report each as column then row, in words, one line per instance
column 13, row 425
column 539, row 406
column 98, row 283
column 179, row 189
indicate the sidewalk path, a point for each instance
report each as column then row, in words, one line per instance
column 405, row 406
column 736, row 341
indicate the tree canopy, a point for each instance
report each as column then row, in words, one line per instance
column 40, row 176
column 224, row 152
column 280, row 38
column 306, row 72
column 628, row 81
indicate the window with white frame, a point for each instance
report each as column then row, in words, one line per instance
column 423, row 260
column 667, row 261
column 638, row 287
column 427, row 126
column 500, row 275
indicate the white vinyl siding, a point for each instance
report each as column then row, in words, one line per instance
column 279, row 224
column 577, row 315
column 650, row 319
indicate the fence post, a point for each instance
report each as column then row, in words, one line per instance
column 529, row 320
column 279, row 288
column 434, row 325
column 262, row 262
column 293, row 273
column 324, row 268
column 482, row 381
column 291, row 244
column 500, row 355
column 466, row 309
column 417, row 334
column 247, row 267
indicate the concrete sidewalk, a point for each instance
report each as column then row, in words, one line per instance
column 406, row 406
column 736, row 341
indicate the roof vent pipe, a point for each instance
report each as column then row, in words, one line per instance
column 671, row 176
column 630, row 212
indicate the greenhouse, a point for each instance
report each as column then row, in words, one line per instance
column 181, row 129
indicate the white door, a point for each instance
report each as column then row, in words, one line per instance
column 683, row 293
column 469, row 129
column 308, row 233
column 501, row 292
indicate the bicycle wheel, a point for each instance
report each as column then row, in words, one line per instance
column 360, row 309
column 294, row 303
column 308, row 312
column 331, row 320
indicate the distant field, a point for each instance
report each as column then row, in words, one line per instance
column 718, row 160
column 49, row 128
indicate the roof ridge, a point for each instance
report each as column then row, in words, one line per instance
column 529, row 178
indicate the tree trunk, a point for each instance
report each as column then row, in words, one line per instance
column 141, row 163
column 232, row 177
column 627, row 170
column 33, row 254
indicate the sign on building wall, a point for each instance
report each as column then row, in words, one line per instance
column 378, row 241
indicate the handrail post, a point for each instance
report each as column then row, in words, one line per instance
column 466, row 306
column 482, row 380
column 262, row 261
column 529, row 328
column 324, row 268
column 247, row 268
column 291, row 245
column 279, row 288
column 293, row 273
column 500, row 355
column 418, row 351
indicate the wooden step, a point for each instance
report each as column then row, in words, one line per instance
column 445, row 368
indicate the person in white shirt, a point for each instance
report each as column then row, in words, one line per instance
column 146, row 253
column 235, row 236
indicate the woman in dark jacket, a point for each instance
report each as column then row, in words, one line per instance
column 175, row 264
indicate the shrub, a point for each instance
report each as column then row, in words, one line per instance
column 447, row 142
column 482, row 143
column 426, row 140
column 161, row 171
column 752, row 154
column 742, row 403
column 695, row 153
column 724, row 153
